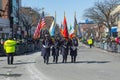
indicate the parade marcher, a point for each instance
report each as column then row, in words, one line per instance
column 46, row 43
column 55, row 50
column 10, row 48
column 90, row 42
column 64, row 49
column 73, row 49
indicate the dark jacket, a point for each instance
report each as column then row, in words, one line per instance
column 46, row 44
column 73, row 47
column 55, row 48
column 64, row 48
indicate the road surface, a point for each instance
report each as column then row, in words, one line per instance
column 92, row 64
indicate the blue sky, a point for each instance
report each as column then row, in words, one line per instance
column 61, row 6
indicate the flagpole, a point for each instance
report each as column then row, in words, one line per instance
column 55, row 18
column 64, row 13
column 75, row 14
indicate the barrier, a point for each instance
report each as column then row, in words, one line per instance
column 22, row 49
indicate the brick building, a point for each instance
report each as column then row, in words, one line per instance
column 5, row 29
column 92, row 30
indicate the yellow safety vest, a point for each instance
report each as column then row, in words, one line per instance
column 9, row 46
column 90, row 41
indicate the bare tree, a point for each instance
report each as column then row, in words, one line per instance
column 28, row 19
column 101, row 12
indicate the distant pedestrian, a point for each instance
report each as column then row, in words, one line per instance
column 10, row 48
column 46, row 43
column 73, row 49
column 90, row 42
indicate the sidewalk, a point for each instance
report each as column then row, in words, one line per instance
column 105, row 51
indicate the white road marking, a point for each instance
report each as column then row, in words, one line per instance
column 7, row 78
column 36, row 74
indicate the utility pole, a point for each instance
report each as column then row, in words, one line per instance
column 11, row 16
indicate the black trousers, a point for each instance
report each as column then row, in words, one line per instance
column 64, row 58
column 90, row 45
column 55, row 59
column 46, row 59
column 73, row 58
column 10, row 58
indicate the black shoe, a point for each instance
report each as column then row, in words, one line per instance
column 53, row 60
column 44, row 61
column 72, row 61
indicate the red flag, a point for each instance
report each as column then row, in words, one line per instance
column 61, row 29
column 37, row 31
column 65, row 30
column 40, row 25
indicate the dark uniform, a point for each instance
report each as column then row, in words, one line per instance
column 73, row 49
column 64, row 50
column 55, row 50
column 46, row 43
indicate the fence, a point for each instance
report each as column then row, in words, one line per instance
column 22, row 49
column 111, row 46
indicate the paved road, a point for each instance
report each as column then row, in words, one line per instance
column 92, row 64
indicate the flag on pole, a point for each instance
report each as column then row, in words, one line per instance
column 65, row 30
column 75, row 25
column 41, row 24
column 52, row 28
column 71, row 31
column 61, row 29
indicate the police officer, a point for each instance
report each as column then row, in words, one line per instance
column 73, row 49
column 90, row 42
column 46, row 43
column 9, row 47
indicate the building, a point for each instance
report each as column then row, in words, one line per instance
column 35, row 17
column 92, row 30
column 116, row 11
column 6, row 12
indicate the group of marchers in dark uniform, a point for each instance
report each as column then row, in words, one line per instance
column 59, row 46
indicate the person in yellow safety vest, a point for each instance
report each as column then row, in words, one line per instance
column 90, row 42
column 10, row 48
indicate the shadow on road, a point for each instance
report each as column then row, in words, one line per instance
column 90, row 62
column 19, row 63
column 11, row 75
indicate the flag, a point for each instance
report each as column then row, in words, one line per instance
column 61, row 29
column 75, row 25
column 65, row 30
column 52, row 28
column 71, row 31
column 80, row 33
column 40, row 25
column 37, row 31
